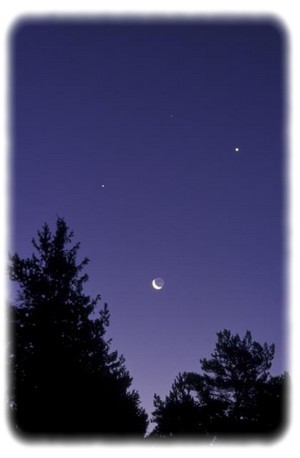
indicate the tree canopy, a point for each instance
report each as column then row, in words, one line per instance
column 65, row 379
column 234, row 394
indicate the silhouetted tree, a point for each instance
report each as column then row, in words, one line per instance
column 65, row 378
column 232, row 375
column 235, row 393
column 269, row 411
column 179, row 413
column 188, row 410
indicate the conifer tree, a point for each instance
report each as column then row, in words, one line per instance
column 65, row 379
column 179, row 413
column 234, row 371
column 233, row 394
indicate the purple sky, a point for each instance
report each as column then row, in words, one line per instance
column 154, row 112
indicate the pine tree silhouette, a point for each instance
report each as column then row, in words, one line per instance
column 234, row 395
column 65, row 380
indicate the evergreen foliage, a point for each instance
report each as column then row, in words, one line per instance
column 64, row 377
column 234, row 394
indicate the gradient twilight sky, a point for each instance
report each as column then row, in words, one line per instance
column 154, row 111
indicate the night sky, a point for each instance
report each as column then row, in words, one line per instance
column 129, row 131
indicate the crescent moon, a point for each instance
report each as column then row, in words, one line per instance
column 157, row 285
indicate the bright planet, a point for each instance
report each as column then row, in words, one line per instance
column 158, row 283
